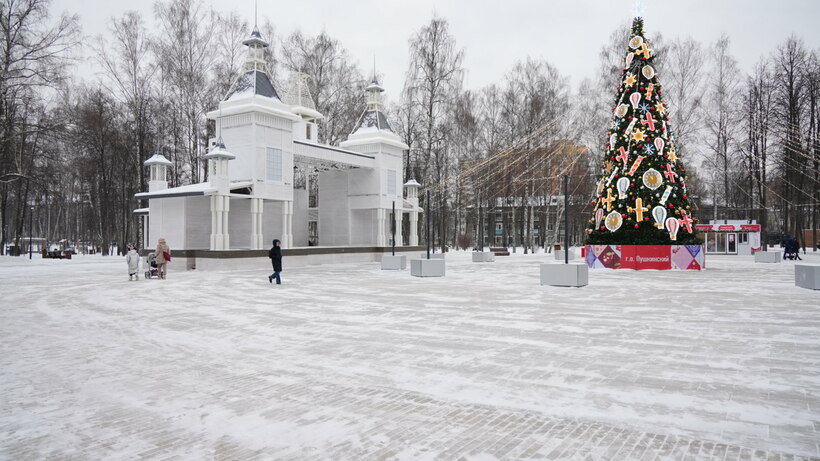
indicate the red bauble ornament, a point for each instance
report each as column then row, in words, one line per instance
column 671, row 206
column 637, row 226
column 684, row 197
column 623, row 216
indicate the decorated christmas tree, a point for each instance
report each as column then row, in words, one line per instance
column 641, row 194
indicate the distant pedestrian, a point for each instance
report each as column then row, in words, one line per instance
column 133, row 260
column 163, row 258
column 794, row 248
column 275, row 255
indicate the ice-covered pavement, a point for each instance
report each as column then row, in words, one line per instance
column 350, row 362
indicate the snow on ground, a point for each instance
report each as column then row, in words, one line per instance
column 350, row 362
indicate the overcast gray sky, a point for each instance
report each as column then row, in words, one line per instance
column 495, row 34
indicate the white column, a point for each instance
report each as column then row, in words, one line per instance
column 260, row 208
column 145, row 239
column 287, row 224
column 254, row 222
column 216, row 222
column 226, row 207
column 290, row 224
column 399, row 238
column 380, row 227
column 414, row 228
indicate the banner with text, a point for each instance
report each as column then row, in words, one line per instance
column 641, row 257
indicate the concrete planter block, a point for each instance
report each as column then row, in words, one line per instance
column 771, row 256
column 807, row 276
column 427, row 267
column 564, row 275
column 437, row 255
column 559, row 255
column 483, row 256
column 394, row 263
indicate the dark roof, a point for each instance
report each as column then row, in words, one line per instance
column 374, row 118
column 264, row 87
column 255, row 37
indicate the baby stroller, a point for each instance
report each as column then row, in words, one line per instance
column 791, row 249
column 152, row 266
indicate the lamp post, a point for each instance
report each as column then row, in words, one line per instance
column 393, row 226
column 566, row 219
column 30, row 227
column 428, row 223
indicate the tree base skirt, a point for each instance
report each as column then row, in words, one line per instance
column 642, row 257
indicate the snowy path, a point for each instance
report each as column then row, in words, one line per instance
column 356, row 363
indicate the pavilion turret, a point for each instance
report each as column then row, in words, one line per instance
column 158, row 172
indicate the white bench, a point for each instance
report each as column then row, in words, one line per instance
column 427, row 267
column 807, row 276
column 564, row 275
column 771, row 256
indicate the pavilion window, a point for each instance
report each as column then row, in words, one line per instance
column 274, row 164
column 391, row 182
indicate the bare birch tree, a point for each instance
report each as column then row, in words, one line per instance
column 720, row 117
column 433, row 82
column 335, row 83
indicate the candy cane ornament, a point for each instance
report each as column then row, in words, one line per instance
column 635, row 165
column 666, row 194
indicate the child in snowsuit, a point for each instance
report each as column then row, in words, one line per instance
column 133, row 260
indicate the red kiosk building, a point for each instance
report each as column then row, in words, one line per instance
column 730, row 237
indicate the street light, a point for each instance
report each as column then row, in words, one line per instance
column 30, row 227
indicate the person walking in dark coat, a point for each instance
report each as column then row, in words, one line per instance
column 794, row 248
column 275, row 255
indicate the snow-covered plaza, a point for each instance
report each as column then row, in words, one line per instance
column 351, row 362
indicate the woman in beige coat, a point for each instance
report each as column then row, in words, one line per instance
column 162, row 261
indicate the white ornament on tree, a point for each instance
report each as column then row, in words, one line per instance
column 623, row 186
column 672, row 225
column 659, row 215
column 652, row 178
column 659, row 143
column 634, row 99
column 613, row 221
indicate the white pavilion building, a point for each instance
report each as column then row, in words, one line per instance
column 269, row 177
